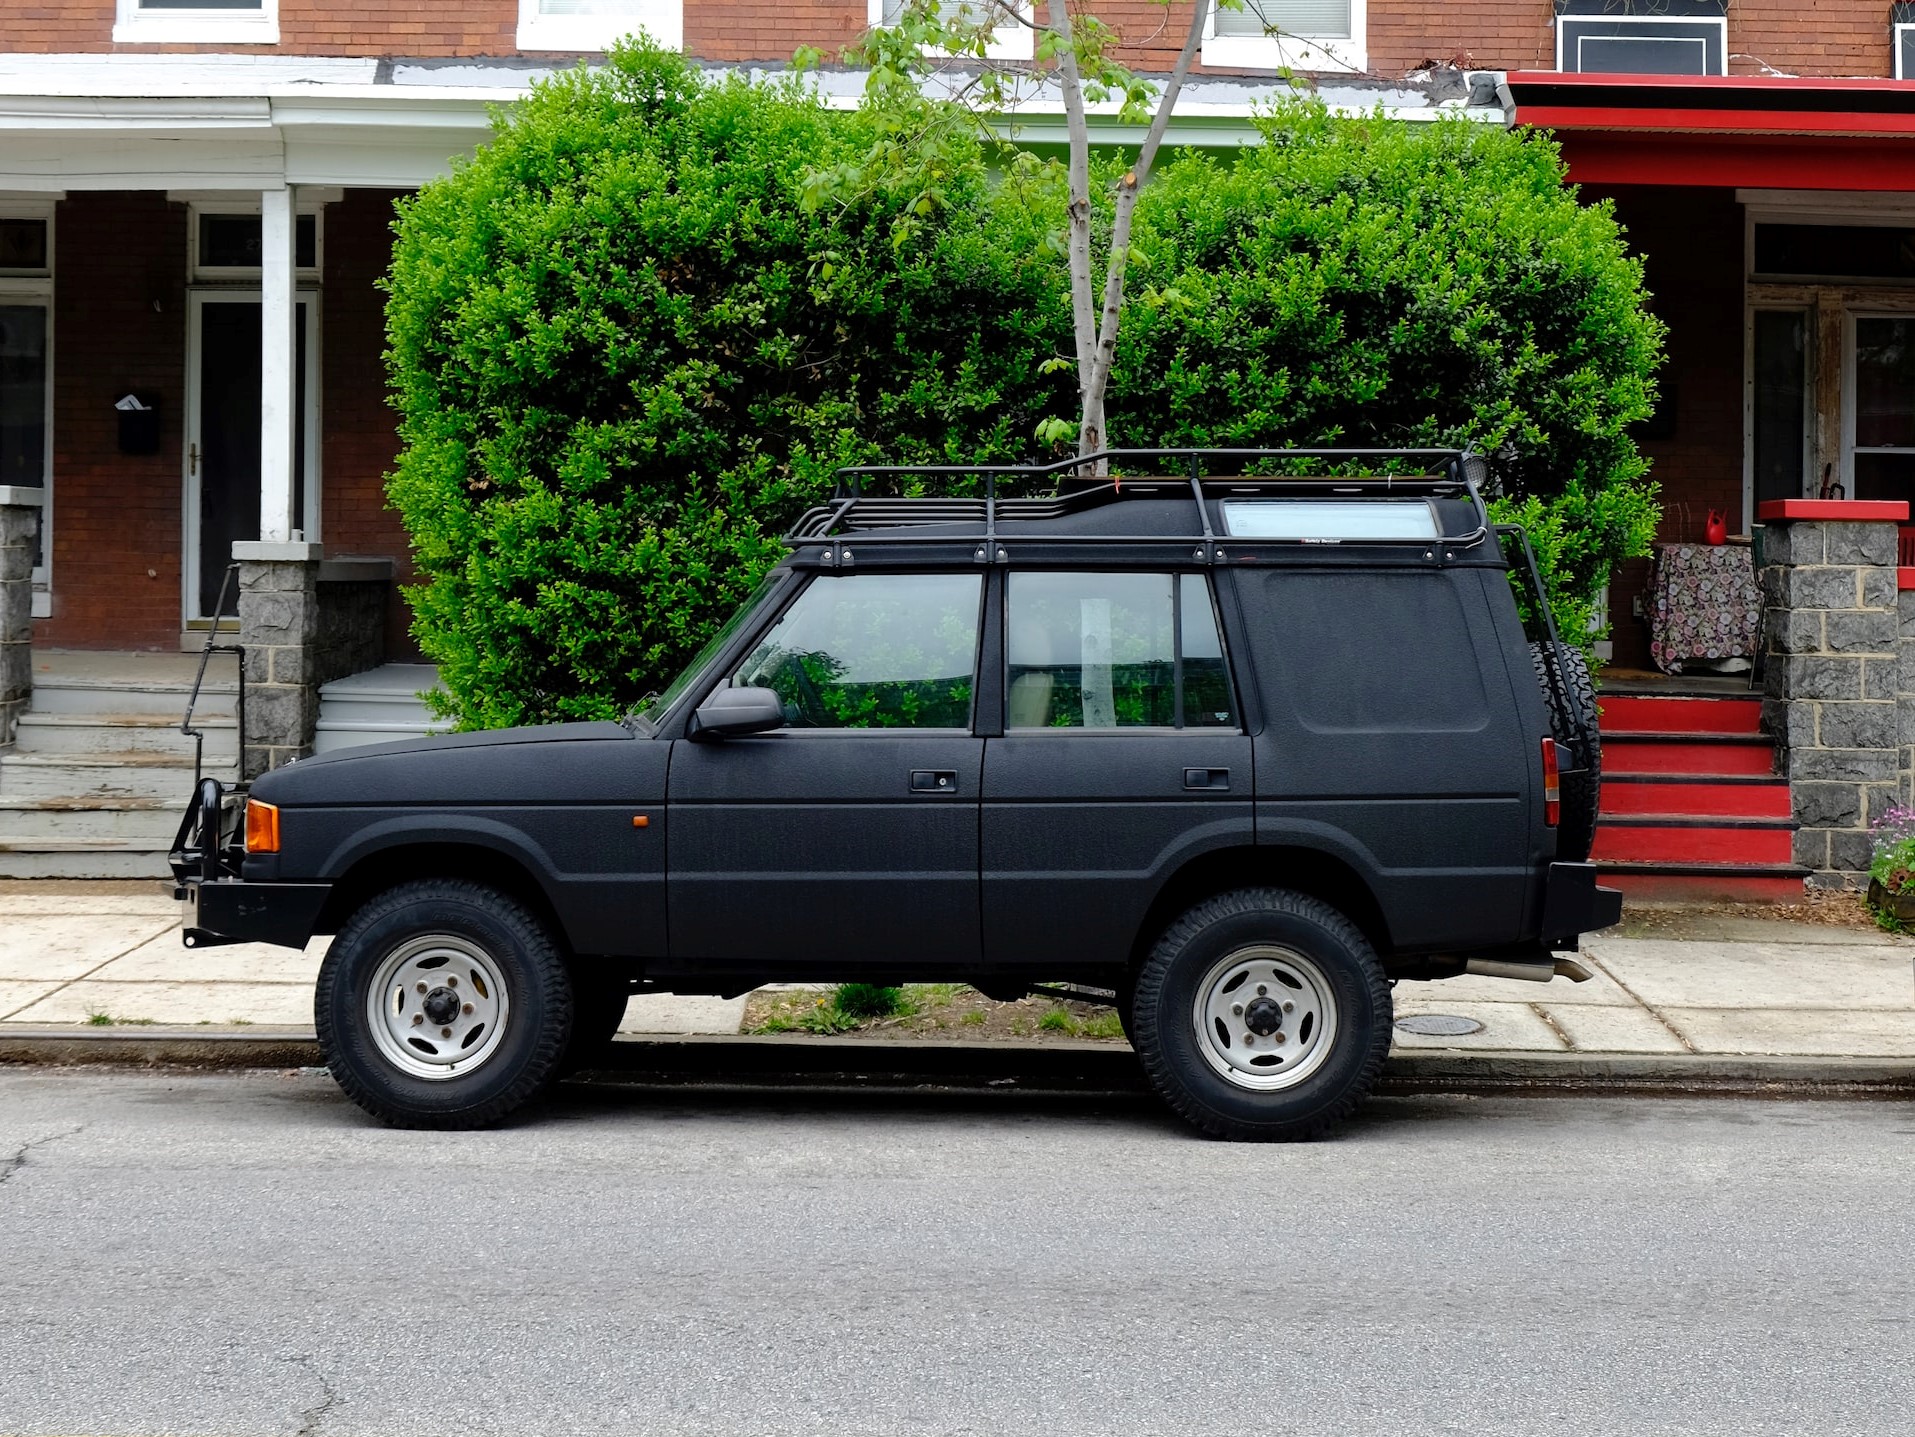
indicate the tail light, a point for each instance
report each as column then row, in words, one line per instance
column 1552, row 785
column 262, row 827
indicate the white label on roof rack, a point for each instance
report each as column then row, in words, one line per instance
column 1330, row 521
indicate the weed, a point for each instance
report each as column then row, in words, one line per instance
column 1056, row 1020
column 868, row 1000
column 975, row 1018
column 1105, row 1025
column 98, row 1019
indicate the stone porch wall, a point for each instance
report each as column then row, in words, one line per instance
column 1838, row 693
column 304, row 621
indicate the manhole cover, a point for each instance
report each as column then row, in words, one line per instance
column 1439, row 1025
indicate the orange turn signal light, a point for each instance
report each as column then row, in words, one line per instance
column 262, row 827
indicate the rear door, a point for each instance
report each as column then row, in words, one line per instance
column 848, row 840
column 1123, row 755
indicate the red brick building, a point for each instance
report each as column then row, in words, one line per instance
column 195, row 204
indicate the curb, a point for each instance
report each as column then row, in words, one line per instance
column 782, row 1060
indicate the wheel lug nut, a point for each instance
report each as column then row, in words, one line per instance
column 468, row 1010
column 1282, row 1039
column 424, row 989
column 445, row 1032
column 417, row 1019
column 1237, row 1009
column 452, row 982
column 1262, row 992
column 1289, row 1007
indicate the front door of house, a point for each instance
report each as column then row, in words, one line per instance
column 223, row 437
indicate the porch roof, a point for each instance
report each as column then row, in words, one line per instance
column 244, row 122
column 1766, row 131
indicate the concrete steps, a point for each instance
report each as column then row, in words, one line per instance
column 100, row 773
column 379, row 706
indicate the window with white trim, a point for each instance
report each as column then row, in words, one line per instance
column 1321, row 35
column 1011, row 40
column 589, row 26
column 1668, row 37
column 26, row 367
column 198, row 22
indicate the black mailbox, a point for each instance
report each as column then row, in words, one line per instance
column 139, row 416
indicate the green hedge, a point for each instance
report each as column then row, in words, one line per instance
column 625, row 355
column 1375, row 282
column 625, row 358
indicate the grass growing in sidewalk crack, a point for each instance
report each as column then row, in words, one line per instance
column 96, row 1018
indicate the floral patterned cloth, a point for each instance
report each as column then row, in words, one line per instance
column 1708, row 604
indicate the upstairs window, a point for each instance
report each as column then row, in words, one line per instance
column 1011, row 39
column 202, row 22
column 1288, row 34
column 1666, row 37
column 591, row 26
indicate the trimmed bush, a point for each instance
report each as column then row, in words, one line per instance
column 1363, row 281
column 625, row 358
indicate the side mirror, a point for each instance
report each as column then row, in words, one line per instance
column 732, row 713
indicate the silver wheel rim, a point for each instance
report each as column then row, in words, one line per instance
column 437, row 1006
column 1265, row 1018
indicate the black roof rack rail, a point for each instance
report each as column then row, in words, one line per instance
column 850, row 515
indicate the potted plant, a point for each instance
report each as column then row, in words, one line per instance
column 1891, row 870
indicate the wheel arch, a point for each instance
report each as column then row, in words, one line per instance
column 394, row 864
column 1301, row 869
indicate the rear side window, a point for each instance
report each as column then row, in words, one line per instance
column 868, row 651
column 1114, row 651
column 1374, row 652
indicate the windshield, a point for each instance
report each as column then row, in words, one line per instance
column 649, row 709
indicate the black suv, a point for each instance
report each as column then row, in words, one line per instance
column 1230, row 753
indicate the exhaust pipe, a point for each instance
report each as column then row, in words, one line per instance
column 1529, row 972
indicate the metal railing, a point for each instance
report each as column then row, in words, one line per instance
column 226, row 585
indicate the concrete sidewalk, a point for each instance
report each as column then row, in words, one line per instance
column 106, row 958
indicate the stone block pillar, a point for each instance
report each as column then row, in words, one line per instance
column 1832, row 681
column 19, row 528
column 278, row 627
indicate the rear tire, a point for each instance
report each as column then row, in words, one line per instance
column 1262, row 1015
column 443, row 1004
column 1582, row 750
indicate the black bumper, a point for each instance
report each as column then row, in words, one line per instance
column 230, row 910
column 1573, row 903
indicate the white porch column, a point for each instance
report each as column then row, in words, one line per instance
column 278, row 331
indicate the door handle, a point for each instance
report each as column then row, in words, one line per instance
column 934, row 780
column 1212, row 778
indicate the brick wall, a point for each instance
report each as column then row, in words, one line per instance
column 1802, row 37
column 1691, row 244
column 119, row 317
column 358, row 425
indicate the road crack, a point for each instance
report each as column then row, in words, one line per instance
column 18, row 1159
column 311, row 1417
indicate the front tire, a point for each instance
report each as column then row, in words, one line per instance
column 443, row 1004
column 1262, row 1015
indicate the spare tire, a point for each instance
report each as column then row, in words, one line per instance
column 1573, row 724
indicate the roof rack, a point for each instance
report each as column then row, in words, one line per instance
column 851, row 515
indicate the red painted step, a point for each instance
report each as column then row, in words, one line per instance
column 1686, row 840
column 1630, row 793
column 1705, row 883
column 1640, row 753
column 1634, row 713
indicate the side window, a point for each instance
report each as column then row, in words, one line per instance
column 874, row 651
column 1104, row 651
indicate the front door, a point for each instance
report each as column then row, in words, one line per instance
column 846, row 842
column 223, row 437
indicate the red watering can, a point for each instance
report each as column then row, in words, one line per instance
column 1716, row 530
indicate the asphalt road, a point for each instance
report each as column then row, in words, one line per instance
column 247, row 1255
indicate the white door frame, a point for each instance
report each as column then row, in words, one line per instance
column 196, row 300
column 39, row 293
